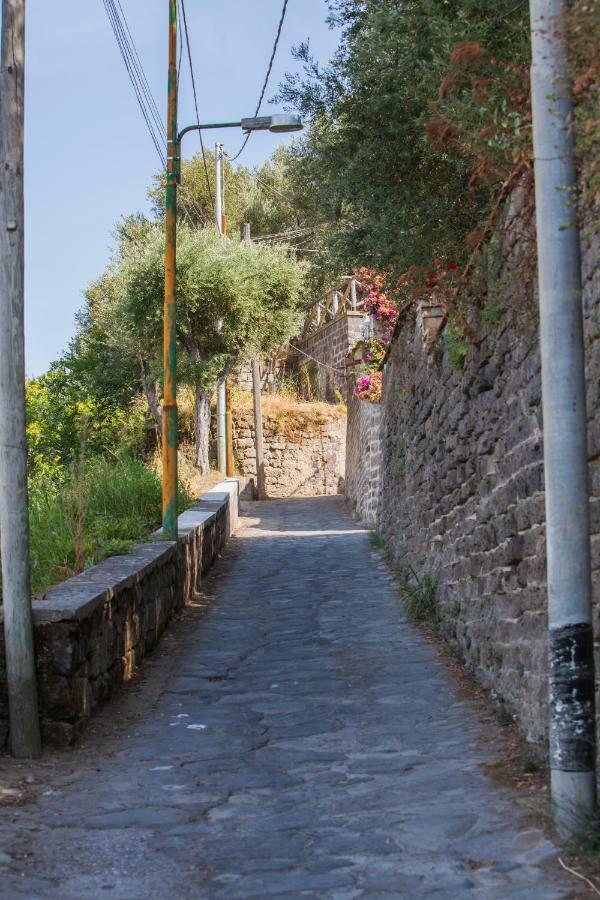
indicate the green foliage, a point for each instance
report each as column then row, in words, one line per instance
column 419, row 595
column 491, row 310
column 57, row 403
column 397, row 198
column 377, row 539
column 93, row 381
column 234, row 298
column 273, row 199
column 108, row 504
column 583, row 41
column 456, row 345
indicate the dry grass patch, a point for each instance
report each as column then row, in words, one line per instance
column 287, row 415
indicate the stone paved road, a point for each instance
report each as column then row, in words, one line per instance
column 300, row 740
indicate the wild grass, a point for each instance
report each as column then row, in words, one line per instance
column 82, row 515
column 419, row 592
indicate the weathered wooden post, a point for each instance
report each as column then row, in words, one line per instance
column 14, row 517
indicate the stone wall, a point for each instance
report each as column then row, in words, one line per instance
column 330, row 345
column 304, row 448
column 461, row 489
column 363, row 457
column 93, row 631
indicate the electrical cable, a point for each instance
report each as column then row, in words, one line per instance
column 180, row 48
column 136, row 74
column 267, row 76
column 139, row 82
column 143, row 78
column 189, row 53
column 269, row 187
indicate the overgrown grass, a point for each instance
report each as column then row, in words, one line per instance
column 82, row 515
column 377, row 539
column 419, row 595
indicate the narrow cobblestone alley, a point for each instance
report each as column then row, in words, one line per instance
column 299, row 739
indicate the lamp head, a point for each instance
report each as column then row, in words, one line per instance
column 279, row 124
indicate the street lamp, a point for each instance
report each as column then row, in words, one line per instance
column 278, row 124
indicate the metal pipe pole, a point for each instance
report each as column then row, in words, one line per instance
column 169, row 411
column 258, row 424
column 229, row 464
column 14, row 521
column 221, row 425
column 570, row 639
column 218, row 191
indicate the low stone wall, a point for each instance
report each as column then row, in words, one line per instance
column 93, row 631
column 363, row 458
column 304, row 450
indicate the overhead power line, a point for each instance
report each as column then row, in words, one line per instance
column 189, row 53
column 137, row 75
column 157, row 118
column 267, row 76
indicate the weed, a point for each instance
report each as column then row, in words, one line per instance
column 377, row 540
column 339, row 397
column 520, row 667
column 492, row 310
column 419, row 595
column 456, row 345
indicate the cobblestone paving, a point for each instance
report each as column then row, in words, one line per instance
column 301, row 739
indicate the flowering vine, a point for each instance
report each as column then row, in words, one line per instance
column 437, row 284
column 368, row 387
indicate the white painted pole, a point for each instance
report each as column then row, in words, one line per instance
column 14, row 522
column 221, row 433
column 570, row 640
column 218, row 188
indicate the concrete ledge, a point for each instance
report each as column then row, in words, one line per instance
column 93, row 630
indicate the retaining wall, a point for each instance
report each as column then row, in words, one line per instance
column 330, row 345
column 363, row 457
column 461, row 482
column 93, row 631
column 304, row 450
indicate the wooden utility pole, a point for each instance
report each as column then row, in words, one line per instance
column 258, row 428
column 14, row 521
column 258, row 431
column 169, row 410
column 230, row 466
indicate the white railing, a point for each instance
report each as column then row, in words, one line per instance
column 337, row 301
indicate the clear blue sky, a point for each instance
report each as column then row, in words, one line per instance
column 89, row 158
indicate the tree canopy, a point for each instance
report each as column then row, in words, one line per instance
column 234, row 299
column 394, row 194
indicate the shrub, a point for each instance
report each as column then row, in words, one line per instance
column 89, row 512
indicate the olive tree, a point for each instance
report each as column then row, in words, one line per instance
column 234, row 299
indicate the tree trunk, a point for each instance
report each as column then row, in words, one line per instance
column 151, row 395
column 202, row 429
